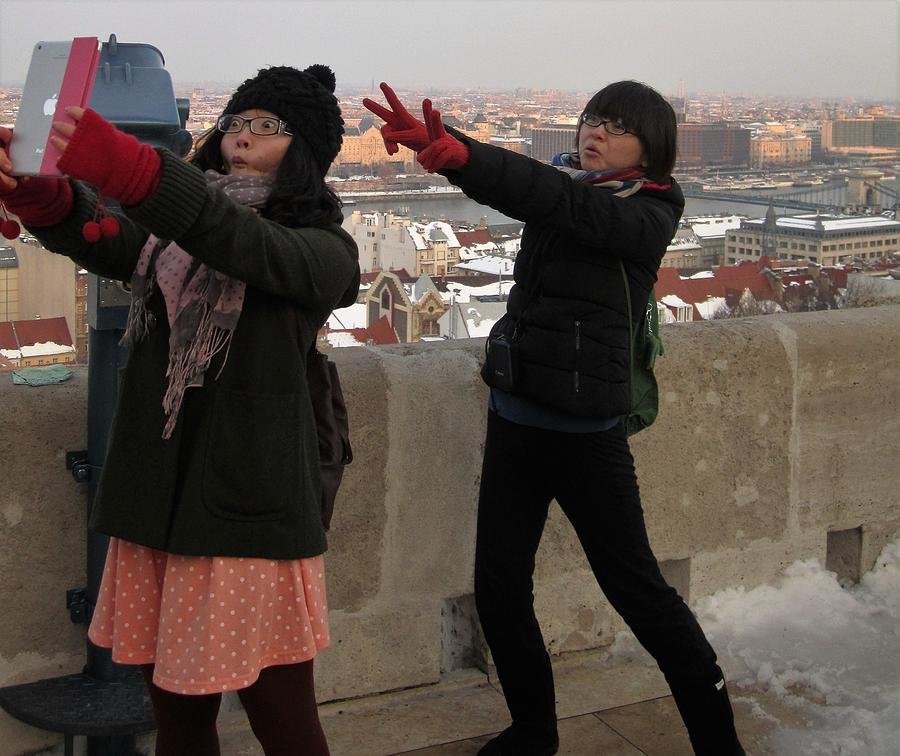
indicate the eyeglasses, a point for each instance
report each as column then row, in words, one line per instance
column 260, row 125
column 612, row 127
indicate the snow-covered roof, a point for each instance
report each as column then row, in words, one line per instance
column 680, row 245
column 836, row 223
column 40, row 349
column 709, row 308
column 421, row 287
column 422, row 233
column 353, row 316
column 673, row 300
column 492, row 264
column 342, row 339
column 477, row 250
column 461, row 293
column 471, row 319
column 713, row 226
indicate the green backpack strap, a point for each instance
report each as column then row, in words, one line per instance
column 645, row 346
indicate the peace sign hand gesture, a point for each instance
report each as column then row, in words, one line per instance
column 444, row 152
column 400, row 126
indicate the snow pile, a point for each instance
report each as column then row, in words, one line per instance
column 832, row 653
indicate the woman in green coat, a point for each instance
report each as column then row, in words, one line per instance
column 210, row 490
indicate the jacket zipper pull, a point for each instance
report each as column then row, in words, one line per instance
column 577, row 353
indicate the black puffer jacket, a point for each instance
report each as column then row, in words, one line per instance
column 568, row 309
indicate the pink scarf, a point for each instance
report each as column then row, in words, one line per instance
column 202, row 305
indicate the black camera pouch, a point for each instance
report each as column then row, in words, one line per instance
column 501, row 362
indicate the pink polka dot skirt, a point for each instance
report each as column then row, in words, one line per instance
column 209, row 624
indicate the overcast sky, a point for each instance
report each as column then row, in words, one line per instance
column 814, row 48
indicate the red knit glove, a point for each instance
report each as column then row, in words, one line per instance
column 400, row 127
column 39, row 201
column 445, row 151
column 116, row 163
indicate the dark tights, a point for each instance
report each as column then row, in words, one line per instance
column 281, row 707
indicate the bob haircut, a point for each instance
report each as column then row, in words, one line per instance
column 645, row 112
column 299, row 196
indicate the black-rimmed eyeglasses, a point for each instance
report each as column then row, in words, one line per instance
column 260, row 125
column 612, row 127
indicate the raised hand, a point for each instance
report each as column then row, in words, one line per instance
column 95, row 151
column 400, row 126
column 7, row 182
column 38, row 201
column 444, row 151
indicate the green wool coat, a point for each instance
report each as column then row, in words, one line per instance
column 240, row 474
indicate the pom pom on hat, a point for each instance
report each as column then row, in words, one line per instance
column 304, row 99
column 323, row 74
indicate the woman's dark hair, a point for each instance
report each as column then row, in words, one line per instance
column 299, row 197
column 645, row 112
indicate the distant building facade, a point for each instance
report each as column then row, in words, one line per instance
column 9, row 284
column 722, row 143
column 822, row 239
column 33, row 343
column 519, row 145
column 547, row 141
column 393, row 242
column 363, row 150
column 867, row 134
column 780, row 150
column 412, row 313
column 35, row 284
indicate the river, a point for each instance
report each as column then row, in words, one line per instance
column 461, row 208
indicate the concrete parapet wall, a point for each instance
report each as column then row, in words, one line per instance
column 778, row 439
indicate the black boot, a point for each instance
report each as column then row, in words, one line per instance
column 707, row 714
column 518, row 740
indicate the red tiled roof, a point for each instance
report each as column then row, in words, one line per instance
column 32, row 332
column 380, row 333
column 729, row 282
column 478, row 236
column 368, row 278
column 8, row 336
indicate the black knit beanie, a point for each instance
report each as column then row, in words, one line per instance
column 304, row 99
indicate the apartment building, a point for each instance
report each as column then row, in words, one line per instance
column 818, row 238
column 547, row 141
column 780, row 150
column 722, row 143
column 393, row 242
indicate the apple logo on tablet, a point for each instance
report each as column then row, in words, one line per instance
column 50, row 105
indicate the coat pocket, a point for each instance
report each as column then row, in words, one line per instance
column 253, row 451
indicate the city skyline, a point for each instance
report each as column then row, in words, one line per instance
column 794, row 48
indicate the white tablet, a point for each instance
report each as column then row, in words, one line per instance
column 60, row 74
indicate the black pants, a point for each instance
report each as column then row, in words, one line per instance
column 592, row 477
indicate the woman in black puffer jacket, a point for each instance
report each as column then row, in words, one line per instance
column 597, row 220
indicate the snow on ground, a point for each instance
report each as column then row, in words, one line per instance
column 832, row 653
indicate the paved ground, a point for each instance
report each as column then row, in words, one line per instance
column 614, row 711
